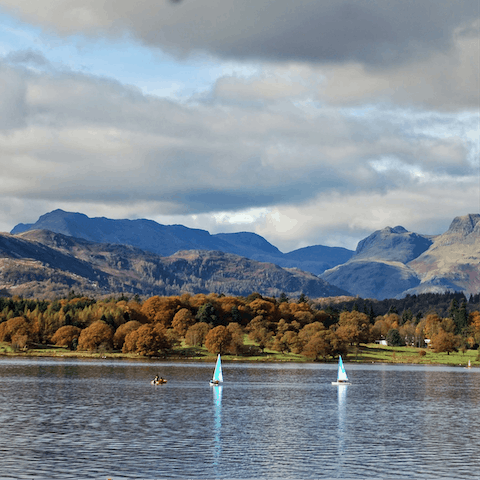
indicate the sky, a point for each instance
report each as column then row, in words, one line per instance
column 313, row 122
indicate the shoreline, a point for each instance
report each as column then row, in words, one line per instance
column 368, row 354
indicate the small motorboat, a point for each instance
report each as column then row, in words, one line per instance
column 158, row 381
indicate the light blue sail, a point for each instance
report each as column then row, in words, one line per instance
column 342, row 374
column 217, row 374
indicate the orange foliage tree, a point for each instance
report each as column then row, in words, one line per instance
column 98, row 335
column 122, row 331
column 147, row 340
column 259, row 331
column 66, row 336
column 182, row 320
column 12, row 327
column 218, row 339
column 236, row 344
column 443, row 341
column 196, row 334
column 353, row 327
column 319, row 345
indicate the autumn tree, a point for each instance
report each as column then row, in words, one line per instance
column 236, row 342
column 147, row 340
column 122, row 331
column 263, row 308
column 182, row 320
column 288, row 342
column 353, row 327
column 218, row 339
column 67, row 336
column 338, row 343
column 319, row 345
column 161, row 309
column 474, row 324
column 13, row 326
column 196, row 334
column 443, row 341
column 260, row 332
column 97, row 335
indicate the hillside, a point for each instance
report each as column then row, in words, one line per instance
column 45, row 264
column 389, row 263
column 166, row 240
column 393, row 262
column 379, row 269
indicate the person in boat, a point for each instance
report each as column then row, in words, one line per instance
column 215, row 382
column 156, row 379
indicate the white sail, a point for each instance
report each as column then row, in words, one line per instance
column 342, row 374
column 217, row 374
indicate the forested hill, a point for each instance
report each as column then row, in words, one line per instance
column 409, row 307
column 44, row 264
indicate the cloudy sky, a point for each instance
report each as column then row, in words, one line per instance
column 310, row 122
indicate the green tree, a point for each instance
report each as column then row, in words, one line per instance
column 208, row 314
column 394, row 338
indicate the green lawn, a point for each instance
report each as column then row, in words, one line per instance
column 370, row 353
column 373, row 353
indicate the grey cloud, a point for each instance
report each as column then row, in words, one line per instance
column 27, row 57
column 373, row 32
column 78, row 139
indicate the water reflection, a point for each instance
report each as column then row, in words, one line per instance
column 217, row 426
column 342, row 399
column 100, row 419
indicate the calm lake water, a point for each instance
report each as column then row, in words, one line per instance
column 65, row 419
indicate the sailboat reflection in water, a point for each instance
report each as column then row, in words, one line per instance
column 217, row 426
column 342, row 430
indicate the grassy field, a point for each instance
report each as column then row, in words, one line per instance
column 370, row 353
column 373, row 353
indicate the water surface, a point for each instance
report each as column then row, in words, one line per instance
column 99, row 419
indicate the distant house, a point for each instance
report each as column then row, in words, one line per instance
column 381, row 342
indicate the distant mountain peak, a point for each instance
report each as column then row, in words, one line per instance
column 165, row 240
column 465, row 225
column 396, row 244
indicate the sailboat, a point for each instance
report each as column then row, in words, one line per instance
column 217, row 374
column 342, row 378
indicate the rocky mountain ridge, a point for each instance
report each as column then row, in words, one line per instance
column 392, row 263
column 166, row 240
column 45, row 264
column 389, row 263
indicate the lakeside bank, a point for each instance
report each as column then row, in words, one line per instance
column 369, row 353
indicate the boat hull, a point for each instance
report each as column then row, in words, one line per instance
column 341, row 383
column 158, row 382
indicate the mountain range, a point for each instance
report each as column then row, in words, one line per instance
column 393, row 262
column 166, row 240
column 45, row 264
column 143, row 256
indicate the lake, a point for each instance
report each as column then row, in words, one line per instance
column 100, row 419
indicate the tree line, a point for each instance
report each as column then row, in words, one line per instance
column 158, row 325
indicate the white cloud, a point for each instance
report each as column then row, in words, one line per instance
column 308, row 133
